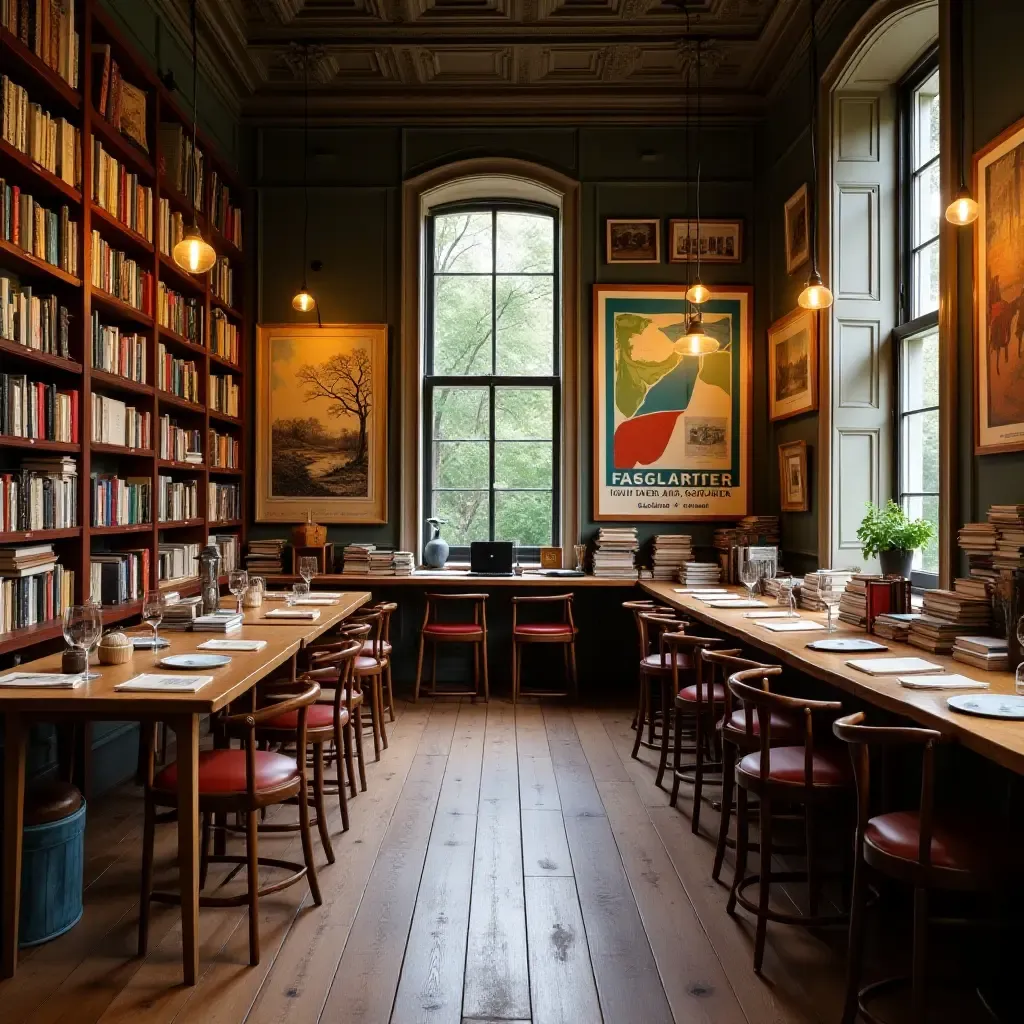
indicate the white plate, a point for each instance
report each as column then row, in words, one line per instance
column 988, row 705
column 195, row 661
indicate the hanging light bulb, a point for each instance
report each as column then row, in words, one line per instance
column 963, row 210
column 698, row 292
column 303, row 301
column 816, row 294
column 696, row 341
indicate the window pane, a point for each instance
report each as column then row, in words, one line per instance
column 523, row 413
column 920, row 452
column 926, row 204
column 920, row 371
column 523, row 516
column 522, row 464
column 462, row 243
column 927, row 507
column 526, row 243
column 926, row 117
column 461, row 464
column 926, row 279
column 524, row 314
column 462, row 325
column 460, row 413
column 466, row 515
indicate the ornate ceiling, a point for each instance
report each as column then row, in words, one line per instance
column 508, row 59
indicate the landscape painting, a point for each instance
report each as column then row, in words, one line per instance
column 793, row 364
column 999, row 291
column 321, row 422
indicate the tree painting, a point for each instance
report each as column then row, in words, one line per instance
column 345, row 382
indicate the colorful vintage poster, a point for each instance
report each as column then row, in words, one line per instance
column 671, row 430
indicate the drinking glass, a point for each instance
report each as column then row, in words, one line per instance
column 750, row 573
column 830, row 599
column 153, row 613
column 238, row 580
column 308, row 567
column 300, row 591
column 83, row 625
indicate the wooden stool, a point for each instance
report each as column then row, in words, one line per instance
column 635, row 608
column 963, row 851
column 801, row 775
column 370, row 666
column 652, row 668
column 436, row 631
column 562, row 631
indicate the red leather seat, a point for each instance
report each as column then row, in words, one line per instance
column 653, row 661
column 828, row 768
column 690, row 693
column 319, row 716
column 544, row 629
column 961, row 842
column 783, row 727
column 365, row 664
column 367, row 650
column 453, row 628
column 223, row 771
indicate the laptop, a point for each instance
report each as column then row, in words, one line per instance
column 490, row 558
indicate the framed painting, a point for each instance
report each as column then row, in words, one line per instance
column 793, row 476
column 793, row 364
column 632, row 241
column 321, row 423
column 720, row 241
column 999, row 294
column 671, row 430
column 798, row 239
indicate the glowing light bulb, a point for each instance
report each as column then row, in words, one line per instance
column 193, row 253
column 816, row 294
column 303, row 301
column 963, row 210
column 696, row 341
column 698, row 293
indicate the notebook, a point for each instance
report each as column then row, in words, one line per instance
column 306, row 614
column 43, row 680
column 951, row 682
column 793, row 626
column 150, row 682
column 232, row 645
column 894, row 666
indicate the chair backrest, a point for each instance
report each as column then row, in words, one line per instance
column 636, row 609
column 334, row 670
column 652, row 624
column 375, row 620
column 545, row 600
column 676, row 643
column 717, row 666
column 386, row 609
column 861, row 738
column 435, row 601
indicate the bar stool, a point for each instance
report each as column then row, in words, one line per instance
column 814, row 778
column 386, row 609
column 562, row 631
column 240, row 781
column 463, row 631
column 369, row 668
column 650, row 625
column 928, row 849
column 635, row 608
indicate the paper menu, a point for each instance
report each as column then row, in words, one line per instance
column 151, row 682
column 770, row 615
column 315, row 600
column 43, row 680
column 950, row 682
column 697, row 591
column 737, row 603
column 232, row 645
column 306, row 614
column 792, row 626
column 894, row 666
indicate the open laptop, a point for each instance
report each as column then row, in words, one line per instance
column 490, row 558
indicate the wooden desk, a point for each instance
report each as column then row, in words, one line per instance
column 181, row 711
column 1002, row 742
column 307, row 631
column 451, row 578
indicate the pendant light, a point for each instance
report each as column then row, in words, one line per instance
column 193, row 253
column 963, row 210
column 816, row 294
column 303, row 301
column 696, row 340
column 698, row 292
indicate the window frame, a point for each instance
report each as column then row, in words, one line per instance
column 492, row 381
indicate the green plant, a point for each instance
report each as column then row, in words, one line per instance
column 890, row 529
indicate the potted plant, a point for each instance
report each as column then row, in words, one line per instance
column 893, row 536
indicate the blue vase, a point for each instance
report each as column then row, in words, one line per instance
column 435, row 551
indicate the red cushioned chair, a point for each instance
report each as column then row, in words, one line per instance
column 561, row 630
column 371, row 665
column 654, row 674
column 240, row 781
column 436, row 630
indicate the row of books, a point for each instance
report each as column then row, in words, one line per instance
column 224, row 394
column 176, row 162
column 224, row 502
column 121, row 193
column 822, row 586
column 172, row 227
column 51, row 142
column 177, row 500
column 225, row 451
column 178, row 376
column 265, row 557
column 48, row 30
column 222, row 280
column 177, row 561
column 116, row 422
column 759, row 531
column 615, row 552
column 356, row 559
column 41, row 495
column 230, row 550
column 119, row 275
column 38, row 322
column 116, row 100
column 49, row 235
column 35, row 409
column 118, row 577
column 698, row 574
column 223, row 336
column 119, row 352
column 669, row 553
column 182, row 315
column 34, row 586
column 225, row 217
column 178, row 443
column 121, row 502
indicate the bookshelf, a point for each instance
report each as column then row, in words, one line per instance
column 218, row 328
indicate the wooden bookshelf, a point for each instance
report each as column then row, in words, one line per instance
column 75, row 545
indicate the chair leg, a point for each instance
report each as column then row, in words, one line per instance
column 419, row 672
column 515, row 674
column 204, row 851
column 476, row 673
column 665, row 704
column 677, row 754
column 650, row 712
column 374, row 714
column 813, row 877
column 764, row 883
column 487, row 683
column 307, row 851
column 742, row 844
column 380, row 707
column 641, row 715
column 855, row 954
column 350, row 767
column 318, row 802
column 360, row 756
column 252, row 823
column 146, row 883
column 918, row 987
column 572, row 669
column 391, row 692
column 728, row 779
column 698, row 773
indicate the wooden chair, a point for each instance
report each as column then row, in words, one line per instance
column 925, row 848
column 386, row 610
column 651, row 625
column 243, row 782
column 436, row 630
column 561, row 631
column 812, row 777
column 635, row 608
column 369, row 671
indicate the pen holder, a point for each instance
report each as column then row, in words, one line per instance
column 74, row 660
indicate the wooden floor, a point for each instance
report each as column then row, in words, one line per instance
column 504, row 865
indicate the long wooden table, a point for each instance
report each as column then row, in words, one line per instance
column 98, row 699
column 999, row 741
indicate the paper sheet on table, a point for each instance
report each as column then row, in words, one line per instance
column 306, row 614
column 151, row 682
column 43, row 680
column 770, row 615
column 792, row 626
column 894, row 666
column 950, row 682
column 738, row 603
column 697, row 591
column 232, row 645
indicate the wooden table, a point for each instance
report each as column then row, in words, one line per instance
column 451, row 578
column 999, row 741
column 181, row 711
column 307, row 630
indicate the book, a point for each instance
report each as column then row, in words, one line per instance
column 893, row 666
column 152, row 682
column 42, row 680
column 308, row 614
column 798, row 626
column 232, row 645
column 950, row 682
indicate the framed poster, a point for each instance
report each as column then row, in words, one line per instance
column 721, row 241
column 798, row 240
column 793, row 364
column 632, row 241
column 671, row 430
column 321, row 423
column 793, row 476
column 999, row 294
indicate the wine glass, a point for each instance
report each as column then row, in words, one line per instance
column 153, row 613
column 308, row 567
column 238, row 580
column 830, row 599
column 83, row 625
column 750, row 573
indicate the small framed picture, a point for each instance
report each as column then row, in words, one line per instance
column 793, row 364
column 798, row 237
column 720, row 241
column 793, row 476
column 633, row 241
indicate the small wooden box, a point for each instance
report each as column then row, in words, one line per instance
column 324, row 554
column 309, row 535
column 551, row 558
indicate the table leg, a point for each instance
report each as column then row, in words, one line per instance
column 14, row 802
column 186, row 731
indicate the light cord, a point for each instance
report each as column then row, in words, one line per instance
column 813, row 211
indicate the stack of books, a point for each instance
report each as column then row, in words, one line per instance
column 978, row 541
column 357, row 559
column 1009, row 522
column 759, row 531
column 229, row 550
column 405, row 563
column 382, row 562
column 974, row 588
column 223, row 621
column 956, row 608
column 824, row 582
column 853, row 607
column 696, row 574
column 615, row 552
column 34, row 586
column 265, row 556
column 985, row 652
column 894, row 625
column 181, row 614
column 670, row 553
column 934, row 635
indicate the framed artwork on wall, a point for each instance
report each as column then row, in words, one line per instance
column 671, row 430
column 721, row 241
column 999, row 294
column 798, row 238
column 793, row 364
column 793, row 476
column 321, row 423
column 632, row 241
